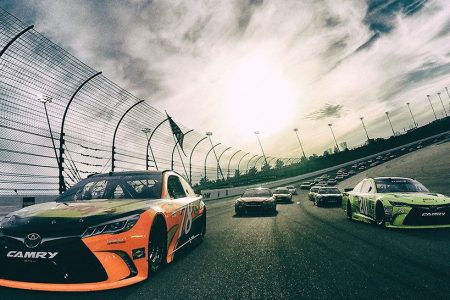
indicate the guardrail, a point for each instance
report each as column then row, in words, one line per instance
column 229, row 192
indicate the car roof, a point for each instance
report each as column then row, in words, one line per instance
column 257, row 189
column 127, row 173
column 391, row 177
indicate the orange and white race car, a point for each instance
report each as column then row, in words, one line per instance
column 107, row 231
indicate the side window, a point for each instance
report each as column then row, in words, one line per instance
column 118, row 193
column 175, row 188
column 357, row 188
column 187, row 188
column 366, row 187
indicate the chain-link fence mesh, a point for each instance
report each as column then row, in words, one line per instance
column 34, row 70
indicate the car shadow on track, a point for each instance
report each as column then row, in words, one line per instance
column 256, row 215
column 429, row 234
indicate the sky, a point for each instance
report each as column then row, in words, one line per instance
column 236, row 67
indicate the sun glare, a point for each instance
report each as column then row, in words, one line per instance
column 260, row 97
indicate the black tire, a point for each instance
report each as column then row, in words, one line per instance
column 202, row 232
column 380, row 217
column 317, row 203
column 349, row 210
column 157, row 246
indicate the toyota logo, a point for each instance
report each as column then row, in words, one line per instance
column 32, row 240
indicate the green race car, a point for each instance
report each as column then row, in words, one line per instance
column 396, row 202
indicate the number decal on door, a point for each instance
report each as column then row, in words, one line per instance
column 186, row 221
column 363, row 206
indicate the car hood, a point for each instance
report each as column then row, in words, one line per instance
column 417, row 198
column 68, row 219
column 254, row 199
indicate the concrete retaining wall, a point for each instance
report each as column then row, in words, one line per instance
column 229, row 192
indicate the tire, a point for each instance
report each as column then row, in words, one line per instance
column 202, row 232
column 157, row 246
column 349, row 211
column 380, row 217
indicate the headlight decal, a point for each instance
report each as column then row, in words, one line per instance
column 114, row 226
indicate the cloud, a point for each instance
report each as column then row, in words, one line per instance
column 327, row 111
column 374, row 55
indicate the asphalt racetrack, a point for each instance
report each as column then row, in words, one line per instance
column 305, row 252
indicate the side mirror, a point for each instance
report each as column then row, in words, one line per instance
column 348, row 189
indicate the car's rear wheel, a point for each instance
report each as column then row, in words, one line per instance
column 157, row 246
column 380, row 216
column 349, row 210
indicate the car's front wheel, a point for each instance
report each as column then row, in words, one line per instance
column 349, row 210
column 380, row 216
column 156, row 246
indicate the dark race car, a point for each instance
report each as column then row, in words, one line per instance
column 256, row 200
column 327, row 195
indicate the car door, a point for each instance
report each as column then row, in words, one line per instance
column 367, row 198
column 178, row 222
column 370, row 198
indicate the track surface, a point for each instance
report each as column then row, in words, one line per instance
column 303, row 251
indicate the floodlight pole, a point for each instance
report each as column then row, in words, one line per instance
column 335, row 141
column 389, row 119
column 412, row 116
column 301, row 146
column 364, row 126
column 432, row 108
column 206, row 157
column 262, row 150
column 44, row 100
column 443, row 107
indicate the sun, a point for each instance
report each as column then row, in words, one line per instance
column 259, row 96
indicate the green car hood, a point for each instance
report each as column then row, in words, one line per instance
column 417, row 198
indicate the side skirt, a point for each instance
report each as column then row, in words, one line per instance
column 363, row 218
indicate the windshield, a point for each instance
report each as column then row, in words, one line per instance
column 281, row 191
column 329, row 191
column 142, row 186
column 399, row 185
column 256, row 193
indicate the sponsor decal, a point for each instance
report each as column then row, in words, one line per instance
column 117, row 241
column 32, row 254
column 32, row 240
column 433, row 214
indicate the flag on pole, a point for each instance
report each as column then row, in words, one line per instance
column 176, row 131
